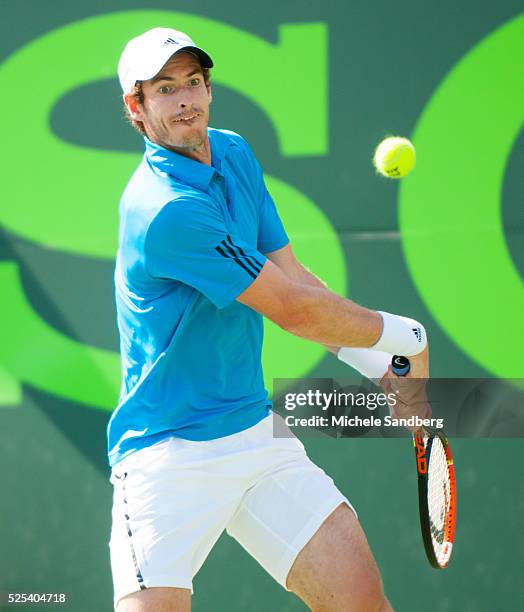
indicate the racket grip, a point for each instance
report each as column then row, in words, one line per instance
column 400, row 365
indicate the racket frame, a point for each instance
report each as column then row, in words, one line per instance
column 423, row 454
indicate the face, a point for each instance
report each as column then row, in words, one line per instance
column 175, row 112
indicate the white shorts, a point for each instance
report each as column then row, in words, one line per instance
column 173, row 500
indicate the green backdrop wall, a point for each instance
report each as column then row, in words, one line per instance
column 313, row 87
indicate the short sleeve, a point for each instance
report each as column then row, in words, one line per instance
column 271, row 233
column 188, row 241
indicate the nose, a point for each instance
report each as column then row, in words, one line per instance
column 184, row 98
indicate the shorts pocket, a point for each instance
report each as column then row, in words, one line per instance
column 146, row 458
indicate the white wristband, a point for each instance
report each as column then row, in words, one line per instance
column 371, row 364
column 401, row 336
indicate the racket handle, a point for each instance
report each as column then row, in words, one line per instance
column 400, row 365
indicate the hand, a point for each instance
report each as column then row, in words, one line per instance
column 411, row 389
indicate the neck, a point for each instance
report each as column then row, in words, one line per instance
column 200, row 153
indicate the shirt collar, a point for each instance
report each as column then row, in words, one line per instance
column 183, row 168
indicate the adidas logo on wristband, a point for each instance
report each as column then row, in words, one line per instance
column 418, row 333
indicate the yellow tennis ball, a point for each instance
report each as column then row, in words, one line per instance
column 394, row 157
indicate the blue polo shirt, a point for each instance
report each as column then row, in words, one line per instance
column 192, row 238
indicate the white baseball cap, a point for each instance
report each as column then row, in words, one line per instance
column 145, row 55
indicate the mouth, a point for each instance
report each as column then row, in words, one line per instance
column 186, row 118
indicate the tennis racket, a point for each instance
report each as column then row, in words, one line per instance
column 436, row 486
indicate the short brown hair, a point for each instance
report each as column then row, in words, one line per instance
column 138, row 95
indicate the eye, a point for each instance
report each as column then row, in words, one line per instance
column 164, row 89
column 195, row 82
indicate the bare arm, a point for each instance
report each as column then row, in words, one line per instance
column 411, row 398
column 300, row 303
column 285, row 259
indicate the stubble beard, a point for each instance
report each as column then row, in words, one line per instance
column 192, row 141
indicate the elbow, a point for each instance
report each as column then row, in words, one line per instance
column 292, row 316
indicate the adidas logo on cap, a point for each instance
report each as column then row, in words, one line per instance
column 418, row 333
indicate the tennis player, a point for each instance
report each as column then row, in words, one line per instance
column 203, row 257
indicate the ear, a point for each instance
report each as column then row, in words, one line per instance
column 134, row 108
column 208, row 87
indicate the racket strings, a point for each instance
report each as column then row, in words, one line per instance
column 439, row 498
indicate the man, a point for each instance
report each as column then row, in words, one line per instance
column 202, row 257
